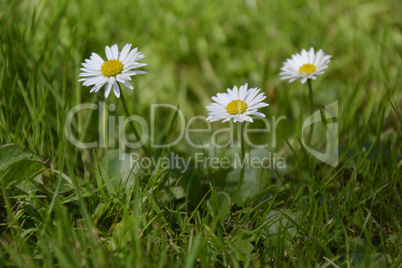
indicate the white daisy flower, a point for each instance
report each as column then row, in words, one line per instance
column 237, row 104
column 117, row 68
column 305, row 65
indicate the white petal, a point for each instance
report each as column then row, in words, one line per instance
column 108, row 53
column 92, row 81
column 95, row 57
column 242, row 92
column 115, row 51
column 258, row 105
column 235, row 93
column 216, row 110
column 111, row 80
column 96, row 88
column 318, row 57
column 221, row 101
column 304, row 55
column 258, row 114
column 251, row 94
column 128, row 84
column 108, row 88
column 91, row 65
column 225, row 97
column 124, row 52
column 131, row 73
column 231, row 94
column 123, row 77
column 88, row 74
column 139, row 56
column 259, row 98
column 311, row 55
column 246, row 118
column 130, row 56
column 133, row 65
column 116, row 89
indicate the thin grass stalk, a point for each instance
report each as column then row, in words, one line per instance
column 137, row 136
column 310, row 88
column 243, row 164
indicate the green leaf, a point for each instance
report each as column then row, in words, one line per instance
column 187, row 181
column 224, row 201
column 243, row 244
column 100, row 210
column 219, row 204
column 255, row 181
column 106, row 179
column 276, row 219
column 118, row 166
column 17, row 164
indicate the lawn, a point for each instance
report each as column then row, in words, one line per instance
column 79, row 189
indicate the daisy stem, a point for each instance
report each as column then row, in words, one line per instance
column 137, row 136
column 104, row 140
column 243, row 149
column 310, row 87
column 243, row 164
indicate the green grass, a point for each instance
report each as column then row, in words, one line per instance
column 65, row 206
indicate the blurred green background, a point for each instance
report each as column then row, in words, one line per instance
column 194, row 50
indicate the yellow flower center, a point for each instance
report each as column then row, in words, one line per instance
column 111, row 68
column 307, row 68
column 236, row 107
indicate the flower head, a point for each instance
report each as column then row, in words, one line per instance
column 305, row 65
column 237, row 104
column 118, row 68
